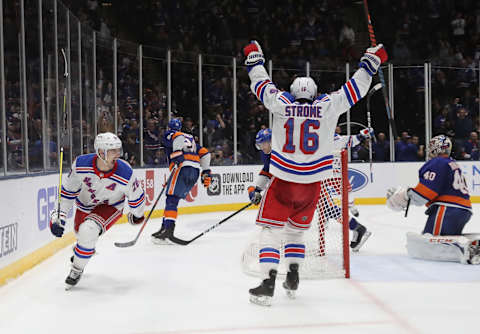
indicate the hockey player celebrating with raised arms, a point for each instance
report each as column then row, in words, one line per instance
column 98, row 183
column 302, row 145
column 443, row 189
column 185, row 158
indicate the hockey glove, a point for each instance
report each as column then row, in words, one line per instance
column 397, row 198
column 134, row 220
column 254, row 194
column 177, row 157
column 373, row 58
column 206, row 178
column 57, row 223
column 365, row 134
column 254, row 54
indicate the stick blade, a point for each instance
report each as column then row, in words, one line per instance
column 178, row 241
column 124, row 244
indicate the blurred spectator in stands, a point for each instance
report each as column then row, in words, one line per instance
column 441, row 123
column 381, row 148
column 405, row 150
column 463, row 125
column 458, row 28
column 151, row 141
column 471, row 146
column 420, row 148
column 217, row 156
column 159, row 159
column 363, row 151
column 190, row 128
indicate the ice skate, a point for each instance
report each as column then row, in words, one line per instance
column 73, row 278
column 291, row 282
column 162, row 237
column 360, row 236
column 471, row 255
column 262, row 294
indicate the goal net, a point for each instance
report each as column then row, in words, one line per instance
column 326, row 241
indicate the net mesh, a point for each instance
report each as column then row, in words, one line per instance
column 325, row 239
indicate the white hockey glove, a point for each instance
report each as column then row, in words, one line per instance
column 365, row 134
column 373, row 58
column 57, row 223
column 397, row 198
column 254, row 54
column 134, row 220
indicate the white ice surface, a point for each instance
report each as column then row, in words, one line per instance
column 200, row 288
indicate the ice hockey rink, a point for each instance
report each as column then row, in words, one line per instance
column 200, row 288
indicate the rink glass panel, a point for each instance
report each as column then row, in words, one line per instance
column 128, row 101
column 88, row 98
column 104, row 82
column 13, row 90
column 75, row 87
column 155, row 110
column 217, row 102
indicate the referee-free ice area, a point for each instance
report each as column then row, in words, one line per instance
column 200, row 288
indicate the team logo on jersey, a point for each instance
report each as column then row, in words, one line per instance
column 358, row 180
column 215, row 186
column 149, row 186
column 192, row 193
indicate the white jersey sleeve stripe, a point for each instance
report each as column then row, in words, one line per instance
column 351, row 91
column 260, row 88
column 284, row 99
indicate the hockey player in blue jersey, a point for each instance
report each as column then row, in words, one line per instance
column 185, row 158
column 443, row 189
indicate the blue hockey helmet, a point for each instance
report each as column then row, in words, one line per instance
column 175, row 124
column 264, row 135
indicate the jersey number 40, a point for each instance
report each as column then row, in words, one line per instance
column 308, row 140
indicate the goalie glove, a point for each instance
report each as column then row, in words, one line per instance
column 135, row 220
column 206, row 178
column 373, row 58
column 254, row 194
column 254, row 54
column 57, row 223
column 397, row 198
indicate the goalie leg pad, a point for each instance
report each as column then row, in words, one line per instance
column 87, row 237
column 436, row 248
column 269, row 250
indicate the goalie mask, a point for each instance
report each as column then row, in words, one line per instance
column 107, row 141
column 303, row 88
column 439, row 145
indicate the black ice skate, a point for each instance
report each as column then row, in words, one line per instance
column 291, row 282
column 73, row 278
column 360, row 236
column 162, row 237
column 262, row 294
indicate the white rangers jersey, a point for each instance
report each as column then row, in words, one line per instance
column 302, row 134
column 89, row 187
column 343, row 142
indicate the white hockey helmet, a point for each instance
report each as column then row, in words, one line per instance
column 106, row 141
column 303, row 88
column 440, row 144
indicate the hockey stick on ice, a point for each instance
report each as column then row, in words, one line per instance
column 65, row 74
column 134, row 241
column 369, row 124
column 380, row 72
column 186, row 242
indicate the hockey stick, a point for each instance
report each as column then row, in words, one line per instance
column 369, row 124
column 406, row 209
column 186, row 242
column 65, row 75
column 380, row 72
column 134, row 241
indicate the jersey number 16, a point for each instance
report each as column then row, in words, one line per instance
column 308, row 140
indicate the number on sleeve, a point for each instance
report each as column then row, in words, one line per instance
column 459, row 182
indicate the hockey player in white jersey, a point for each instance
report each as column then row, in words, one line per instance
column 360, row 232
column 302, row 145
column 98, row 184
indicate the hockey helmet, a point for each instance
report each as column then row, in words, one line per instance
column 175, row 124
column 303, row 88
column 106, row 141
column 264, row 135
column 440, row 144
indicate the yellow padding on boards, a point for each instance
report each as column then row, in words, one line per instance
column 29, row 261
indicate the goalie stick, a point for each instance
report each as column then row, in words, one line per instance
column 380, row 72
column 134, row 241
column 186, row 242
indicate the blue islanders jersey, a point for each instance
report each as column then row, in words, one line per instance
column 177, row 142
column 442, row 182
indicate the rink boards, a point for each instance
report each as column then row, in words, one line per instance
column 25, row 238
